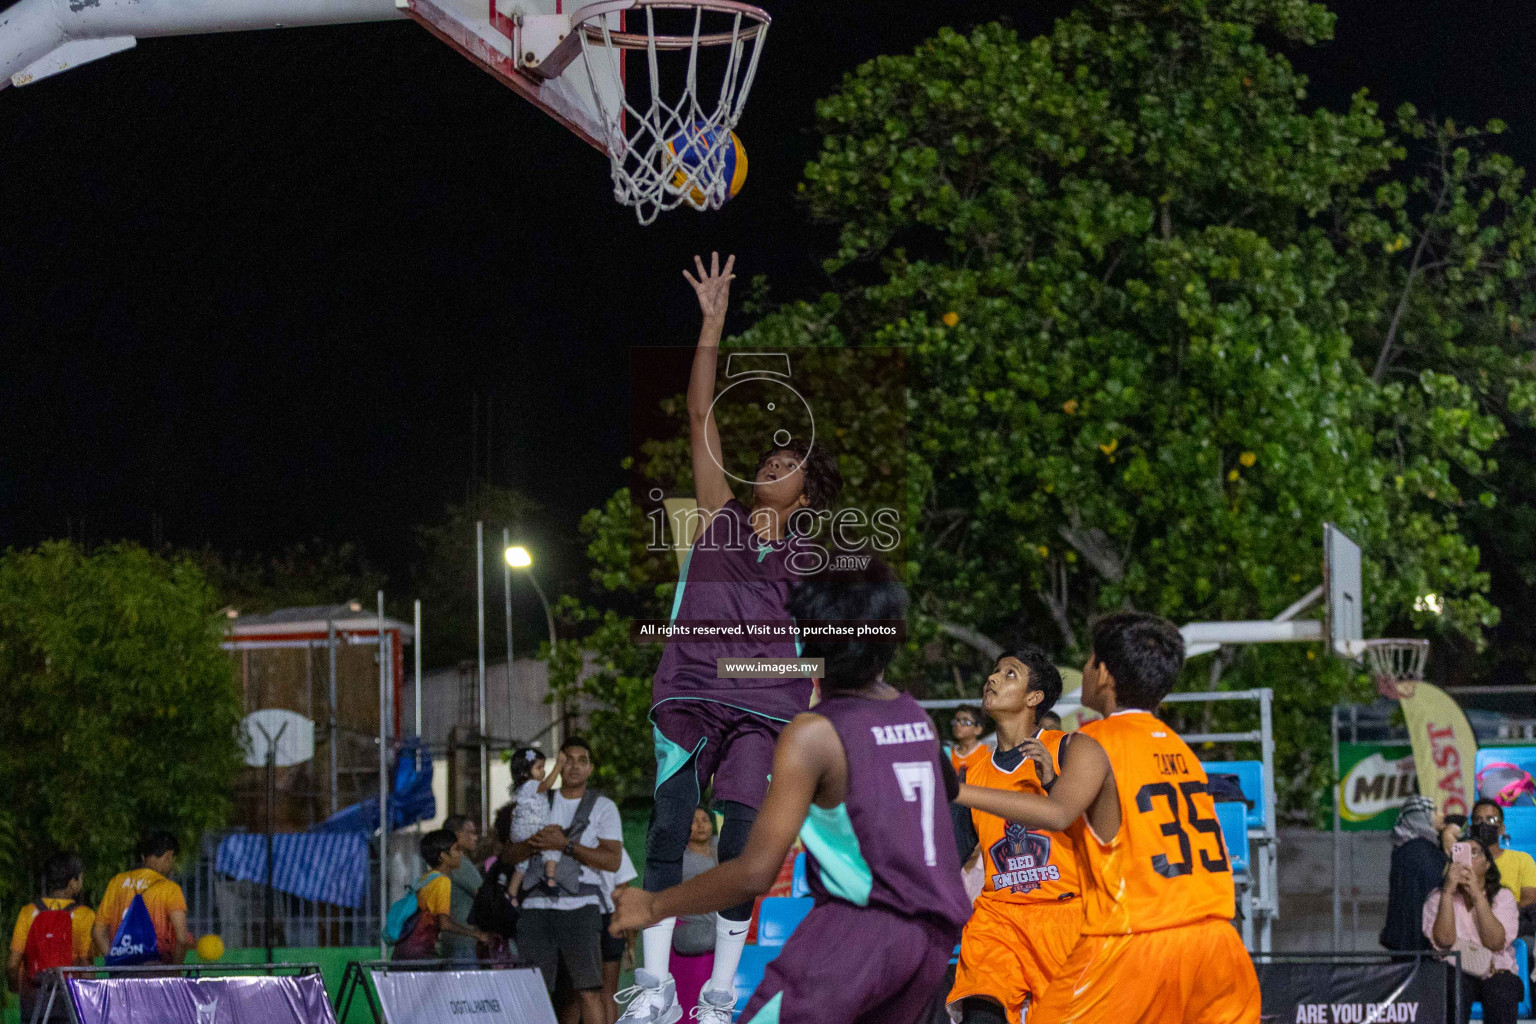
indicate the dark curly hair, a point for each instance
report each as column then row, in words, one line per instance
column 523, row 759
column 1492, row 882
column 823, row 480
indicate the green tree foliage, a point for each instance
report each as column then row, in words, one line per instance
column 445, row 574
column 603, row 672
column 1165, row 318
column 122, row 711
column 314, row 573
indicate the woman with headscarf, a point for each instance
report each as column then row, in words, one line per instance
column 1418, row 865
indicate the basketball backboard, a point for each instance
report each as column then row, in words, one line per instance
column 487, row 32
column 1341, row 577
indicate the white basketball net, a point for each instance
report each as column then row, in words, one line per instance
column 1396, row 665
column 647, row 174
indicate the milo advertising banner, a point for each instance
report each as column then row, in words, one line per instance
column 1375, row 780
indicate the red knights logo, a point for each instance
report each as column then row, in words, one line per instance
column 1022, row 860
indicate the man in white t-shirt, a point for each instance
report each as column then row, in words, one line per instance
column 563, row 924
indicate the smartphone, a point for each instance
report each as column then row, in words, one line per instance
column 1461, row 853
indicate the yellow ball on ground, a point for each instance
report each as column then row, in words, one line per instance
column 210, row 947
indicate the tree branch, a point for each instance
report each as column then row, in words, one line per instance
column 1383, row 359
column 1056, row 600
column 979, row 641
column 1095, row 547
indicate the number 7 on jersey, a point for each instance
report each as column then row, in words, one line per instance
column 917, row 786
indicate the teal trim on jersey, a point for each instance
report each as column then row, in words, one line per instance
column 671, row 756
column 682, row 581
column 829, row 836
column 711, row 700
column 799, row 647
column 768, row 1013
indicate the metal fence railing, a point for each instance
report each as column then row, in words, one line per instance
column 235, row 910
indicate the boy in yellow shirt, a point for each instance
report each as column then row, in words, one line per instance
column 63, row 877
column 434, row 898
column 163, row 898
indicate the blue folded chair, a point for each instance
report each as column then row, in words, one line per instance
column 1234, row 829
column 798, row 886
column 1522, row 968
column 1520, row 827
column 749, row 973
column 779, row 916
column 1250, row 776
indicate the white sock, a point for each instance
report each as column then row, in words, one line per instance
column 656, row 942
column 730, row 940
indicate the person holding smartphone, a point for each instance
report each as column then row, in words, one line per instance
column 1473, row 914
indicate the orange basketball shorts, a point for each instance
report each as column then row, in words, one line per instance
column 1194, row 974
column 1010, row 951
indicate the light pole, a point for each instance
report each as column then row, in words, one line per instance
column 485, row 771
column 518, row 558
column 506, row 591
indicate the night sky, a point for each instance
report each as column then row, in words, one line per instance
column 251, row 284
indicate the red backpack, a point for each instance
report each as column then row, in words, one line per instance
column 50, row 941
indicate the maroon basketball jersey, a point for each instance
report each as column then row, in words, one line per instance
column 890, row 843
column 733, row 577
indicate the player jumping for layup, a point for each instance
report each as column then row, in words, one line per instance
column 861, row 780
column 1158, row 946
column 1030, row 911
column 738, row 571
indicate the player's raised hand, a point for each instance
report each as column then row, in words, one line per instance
column 713, row 286
column 632, row 911
column 1036, row 752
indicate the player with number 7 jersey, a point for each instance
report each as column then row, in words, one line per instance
column 1157, row 943
column 861, row 779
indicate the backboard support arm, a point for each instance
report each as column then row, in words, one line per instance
column 33, row 31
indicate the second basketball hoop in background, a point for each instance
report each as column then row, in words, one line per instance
column 709, row 155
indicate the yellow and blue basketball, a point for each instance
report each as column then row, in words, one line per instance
column 702, row 147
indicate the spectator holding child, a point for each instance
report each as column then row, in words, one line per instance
column 560, row 923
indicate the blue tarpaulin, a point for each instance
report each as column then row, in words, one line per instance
column 410, row 802
column 320, row 866
column 329, row 863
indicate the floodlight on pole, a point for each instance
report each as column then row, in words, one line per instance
column 518, row 557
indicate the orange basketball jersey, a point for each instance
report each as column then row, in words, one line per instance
column 965, row 764
column 1168, row 865
column 1023, row 866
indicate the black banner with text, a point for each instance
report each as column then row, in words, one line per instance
column 1404, row 991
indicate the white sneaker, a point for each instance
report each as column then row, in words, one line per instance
column 650, row 1001
column 715, row 1007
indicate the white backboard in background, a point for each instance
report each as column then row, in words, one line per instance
column 1341, row 577
column 295, row 744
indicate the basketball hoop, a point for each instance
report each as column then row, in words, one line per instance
column 671, row 148
column 1396, row 665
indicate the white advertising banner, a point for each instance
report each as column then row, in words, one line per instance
column 464, row 997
